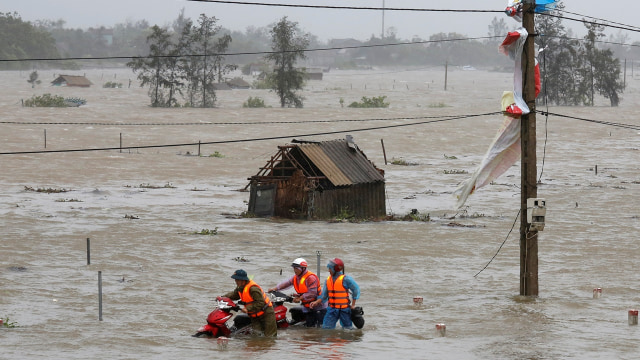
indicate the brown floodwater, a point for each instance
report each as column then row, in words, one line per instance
column 141, row 209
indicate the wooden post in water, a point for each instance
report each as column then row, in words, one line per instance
column 45, row 138
column 384, row 153
column 528, row 171
column 88, row 251
column 120, row 142
column 624, row 77
column 446, row 68
column 100, row 295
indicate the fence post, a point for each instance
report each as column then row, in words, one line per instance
column 100, row 295
column 318, row 255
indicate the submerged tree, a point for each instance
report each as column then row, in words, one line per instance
column 153, row 69
column 560, row 62
column 288, row 45
column 574, row 71
column 603, row 68
column 208, row 66
column 190, row 59
column 33, row 79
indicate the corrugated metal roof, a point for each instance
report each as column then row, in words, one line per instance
column 341, row 164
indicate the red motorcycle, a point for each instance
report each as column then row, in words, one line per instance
column 219, row 322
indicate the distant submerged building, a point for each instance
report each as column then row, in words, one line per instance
column 71, row 80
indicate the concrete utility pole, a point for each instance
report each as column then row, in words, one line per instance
column 382, row 33
column 528, row 172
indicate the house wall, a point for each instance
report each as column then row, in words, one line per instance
column 362, row 201
column 291, row 197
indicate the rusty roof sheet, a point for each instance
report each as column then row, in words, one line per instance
column 341, row 164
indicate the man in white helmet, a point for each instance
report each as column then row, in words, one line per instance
column 307, row 286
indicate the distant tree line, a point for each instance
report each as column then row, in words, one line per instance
column 575, row 70
column 19, row 40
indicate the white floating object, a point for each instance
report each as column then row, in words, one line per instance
column 633, row 317
column 223, row 342
column 597, row 293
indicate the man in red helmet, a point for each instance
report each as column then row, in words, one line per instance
column 336, row 291
column 307, row 286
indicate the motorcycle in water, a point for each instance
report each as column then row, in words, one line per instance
column 219, row 322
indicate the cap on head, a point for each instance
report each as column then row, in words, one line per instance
column 299, row 263
column 336, row 265
column 240, row 275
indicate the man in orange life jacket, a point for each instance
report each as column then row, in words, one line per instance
column 256, row 303
column 307, row 286
column 336, row 291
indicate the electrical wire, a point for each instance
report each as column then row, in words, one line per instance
column 246, row 140
column 595, row 41
column 599, row 19
column 609, row 123
column 501, row 245
column 252, row 52
column 345, row 7
column 634, row 29
column 228, row 123
column 546, row 103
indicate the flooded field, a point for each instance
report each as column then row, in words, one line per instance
column 141, row 208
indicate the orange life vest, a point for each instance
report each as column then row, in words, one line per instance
column 338, row 295
column 245, row 297
column 301, row 287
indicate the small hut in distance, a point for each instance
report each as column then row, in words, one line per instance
column 71, row 80
column 318, row 180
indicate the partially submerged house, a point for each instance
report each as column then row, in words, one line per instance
column 221, row 86
column 72, row 80
column 238, row 83
column 318, row 180
column 314, row 73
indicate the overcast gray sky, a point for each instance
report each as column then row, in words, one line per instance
column 325, row 23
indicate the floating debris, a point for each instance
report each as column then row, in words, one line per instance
column 17, row 268
column 45, row 190
column 457, row 224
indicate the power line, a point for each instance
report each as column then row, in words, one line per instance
column 448, row 118
column 609, row 123
column 346, row 7
column 253, row 52
column 634, row 29
column 247, row 140
column 224, row 123
column 595, row 41
column 286, row 51
column 618, row 26
column 599, row 19
column 501, row 245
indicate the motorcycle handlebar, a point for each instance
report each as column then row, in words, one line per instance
column 278, row 295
